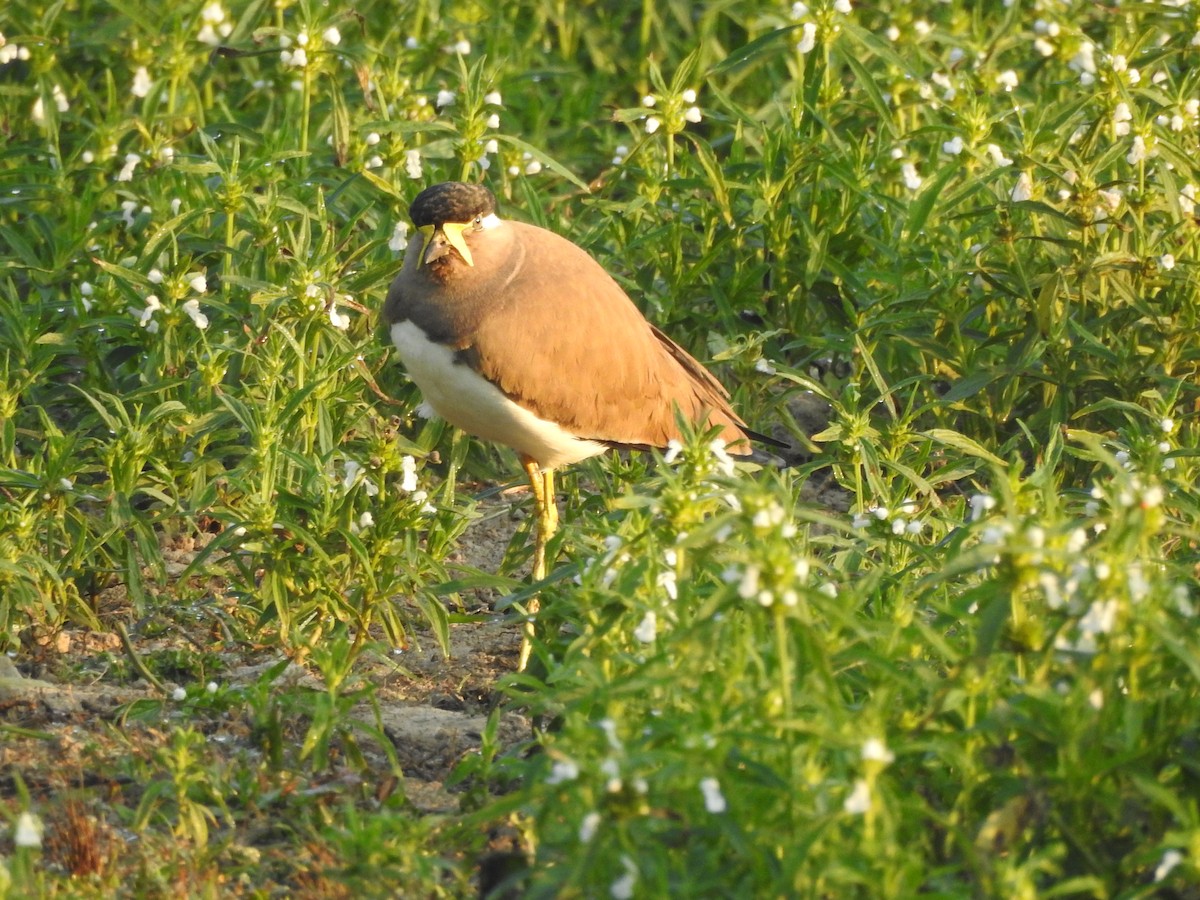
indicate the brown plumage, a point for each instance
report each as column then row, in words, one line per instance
column 542, row 321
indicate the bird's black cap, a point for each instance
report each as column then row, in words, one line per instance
column 451, row 201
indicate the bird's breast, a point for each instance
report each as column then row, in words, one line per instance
column 464, row 398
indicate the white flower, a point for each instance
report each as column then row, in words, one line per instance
column 922, row 28
column 981, row 503
column 372, row 138
column 1043, row 47
column 649, row 100
column 131, row 163
column 724, row 461
column 411, row 43
column 38, row 112
column 714, row 800
column 59, row 98
column 1023, row 189
column 1007, row 80
column 674, row 448
column 1167, row 425
column 192, row 308
column 997, row 155
column 875, row 750
column 27, row 832
column 859, row 800
column 647, row 630
column 652, row 124
column 842, row 6
column 693, row 115
column 373, row 162
column 338, row 320
column 808, row 38
column 493, row 121
column 954, row 146
column 533, row 167
column 912, row 180
column 408, row 474
column 412, row 164
column 1137, row 153
column 145, row 317
column 1121, row 117
column 892, row 33
column 141, row 82
column 179, row 695
column 366, row 520
column 399, row 239
column 492, row 98
column 588, row 827
column 332, row 36
column 1169, row 861
column 799, row 10
column 198, row 283
column 1167, row 261
column 445, row 98
column 622, row 888
column 562, row 771
column 1187, row 199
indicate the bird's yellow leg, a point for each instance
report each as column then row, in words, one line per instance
column 541, row 481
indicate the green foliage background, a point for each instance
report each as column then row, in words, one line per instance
column 978, row 219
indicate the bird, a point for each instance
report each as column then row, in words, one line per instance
column 516, row 335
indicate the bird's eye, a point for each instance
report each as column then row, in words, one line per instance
column 479, row 223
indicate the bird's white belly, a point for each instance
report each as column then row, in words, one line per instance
column 465, row 398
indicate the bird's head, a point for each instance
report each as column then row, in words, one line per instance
column 446, row 215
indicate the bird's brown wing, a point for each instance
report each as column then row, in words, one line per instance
column 582, row 355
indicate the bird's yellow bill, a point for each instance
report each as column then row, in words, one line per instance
column 452, row 232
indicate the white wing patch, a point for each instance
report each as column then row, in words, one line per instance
column 465, row 398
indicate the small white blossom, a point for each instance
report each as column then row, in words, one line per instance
column 622, row 888
column 179, row 695
column 27, row 832
column 408, row 474
column 714, row 800
column 533, row 167
column 649, row 100
column 588, row 827
column 492, row 98
column 192, row 308
column 141, row 82
column 562, row 771
column 412, row 164
column 338, row 320
column 875, row 750
column 131, row 163
column 647, row 630
column 1023, row 189
column 1007, row 80
column 652, row 124
column 693, row 115
column 1121, row 117
column 674, row 448
column 842, row 6
column 808, row 38
column 399, row 239
column 1171, row 858
column 493, row 121
column 954, row 146
column 1137, row 153
column 445, row 98
column 332, row 36
column 198, row 283
column 859, row 800
column 980, row 504
column 1167, row 261
column 997, row 155
column 912, row 180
